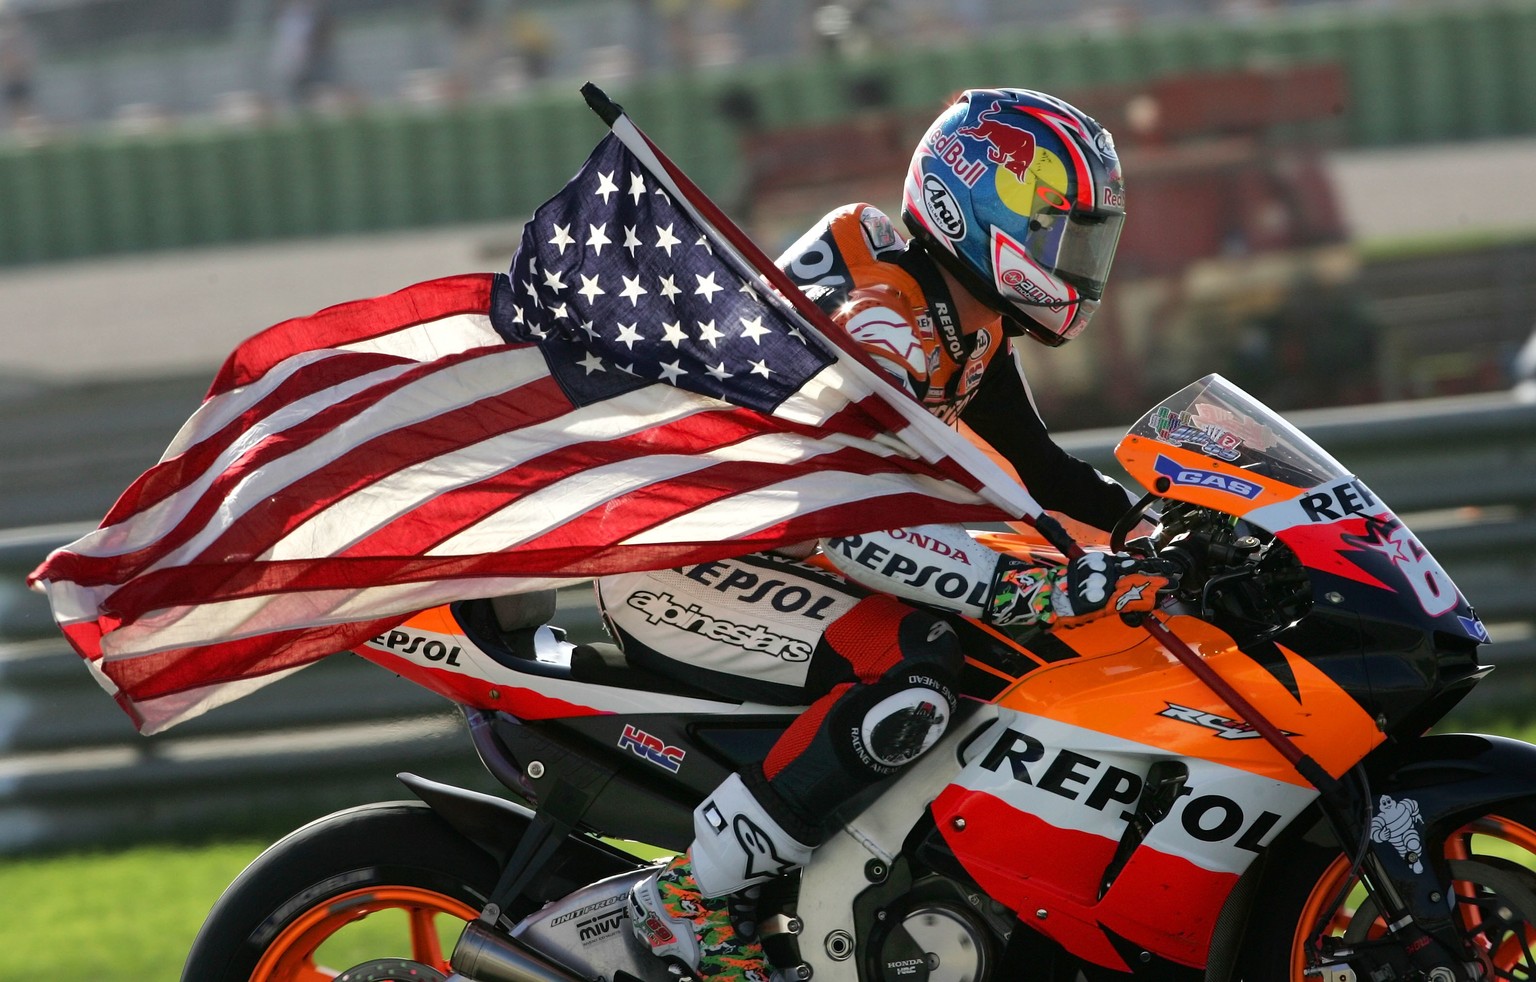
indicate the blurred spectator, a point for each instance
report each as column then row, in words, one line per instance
column 18, row 64
column 464, row 21
column 304, row 50
column 533, row 42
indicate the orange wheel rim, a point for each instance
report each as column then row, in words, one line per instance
column 1458, row 846
column 1313, row 911
column 291, row 955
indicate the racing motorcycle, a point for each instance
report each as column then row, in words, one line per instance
column 1240, row 786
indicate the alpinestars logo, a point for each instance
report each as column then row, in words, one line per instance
column 661, row 608
column 1227, row 729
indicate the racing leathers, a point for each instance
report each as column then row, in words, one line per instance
column 877, row 674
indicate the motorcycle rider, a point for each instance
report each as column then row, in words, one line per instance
column 1014, row 201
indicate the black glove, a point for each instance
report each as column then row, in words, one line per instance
column 1100, row 583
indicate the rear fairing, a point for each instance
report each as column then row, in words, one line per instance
column 434, row 650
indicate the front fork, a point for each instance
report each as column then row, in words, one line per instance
column 1403, row 868
column 1418, row 909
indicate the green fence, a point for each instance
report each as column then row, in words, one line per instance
column 1422, row 75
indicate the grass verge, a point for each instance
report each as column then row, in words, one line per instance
column 122, row 916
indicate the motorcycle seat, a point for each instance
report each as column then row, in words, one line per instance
column 605, row 664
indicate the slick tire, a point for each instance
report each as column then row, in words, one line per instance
column 320, row 879
column 1492, row 858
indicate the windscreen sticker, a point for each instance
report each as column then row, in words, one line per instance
column 1185, row 430
column 1252, row 433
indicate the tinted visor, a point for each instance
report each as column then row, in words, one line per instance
column 1077, row 247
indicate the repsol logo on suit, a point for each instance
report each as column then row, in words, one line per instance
column 945, row 581
column 783, row 595
column 1101, row 786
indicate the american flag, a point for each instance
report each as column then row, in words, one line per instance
column 633, row 395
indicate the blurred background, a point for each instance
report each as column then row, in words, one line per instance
column 1331, row 203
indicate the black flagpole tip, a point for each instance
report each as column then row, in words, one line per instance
column 607, row 110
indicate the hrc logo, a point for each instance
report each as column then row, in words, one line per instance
column 642, row 744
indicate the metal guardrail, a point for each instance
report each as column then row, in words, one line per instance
column 73, row 772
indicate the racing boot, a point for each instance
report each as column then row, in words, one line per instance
column 700, row 908
column 670, row 914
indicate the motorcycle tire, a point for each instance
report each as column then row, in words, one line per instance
column 1492, row 860
column 299, row 907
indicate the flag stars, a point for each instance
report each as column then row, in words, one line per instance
column 633, row 291
column 669, row 288
column 705, row 243
column 562, row 239
column 629, row 334
column 636, row 187
column 761, row 368
column 673, row 333
column 707, row 332
column 665, row 239
column 672, row 371
column 605, row 186
column 592, row 363
column 707, row 287
column 718, row 372
column 752, row 327
column 598, row 237
column 631, row 240
column 591, row 330
column 553, row 281
column 589, row 287
column 559, row 311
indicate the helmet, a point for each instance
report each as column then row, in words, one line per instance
column 1020, row 196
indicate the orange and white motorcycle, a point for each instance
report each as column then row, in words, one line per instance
column 1239, row 787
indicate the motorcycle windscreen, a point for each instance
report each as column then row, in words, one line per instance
column 1214, row 445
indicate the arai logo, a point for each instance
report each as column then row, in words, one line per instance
column 943, row 208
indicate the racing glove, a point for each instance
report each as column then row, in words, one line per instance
column 1099, row 583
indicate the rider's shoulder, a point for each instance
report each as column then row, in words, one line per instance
column 863, row 228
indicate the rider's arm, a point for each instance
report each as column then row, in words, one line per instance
column 1003, row 413
column 942, row 566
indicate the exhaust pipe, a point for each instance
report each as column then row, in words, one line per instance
column 482, row 955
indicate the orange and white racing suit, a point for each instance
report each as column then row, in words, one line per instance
column 877, row 674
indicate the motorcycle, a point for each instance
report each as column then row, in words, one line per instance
column 1096, row 807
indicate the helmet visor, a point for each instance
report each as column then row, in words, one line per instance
column 1077, row 247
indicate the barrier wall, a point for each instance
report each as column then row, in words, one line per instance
column 1419, row 75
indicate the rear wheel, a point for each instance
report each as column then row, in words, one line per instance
column 377, row 892
column 1492, row 860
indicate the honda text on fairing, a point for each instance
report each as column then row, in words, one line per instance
column 1095, row 807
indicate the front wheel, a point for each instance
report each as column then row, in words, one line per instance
column 1492, row 860
column 376, row 892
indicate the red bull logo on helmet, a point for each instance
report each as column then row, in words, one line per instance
column 1011, row 146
